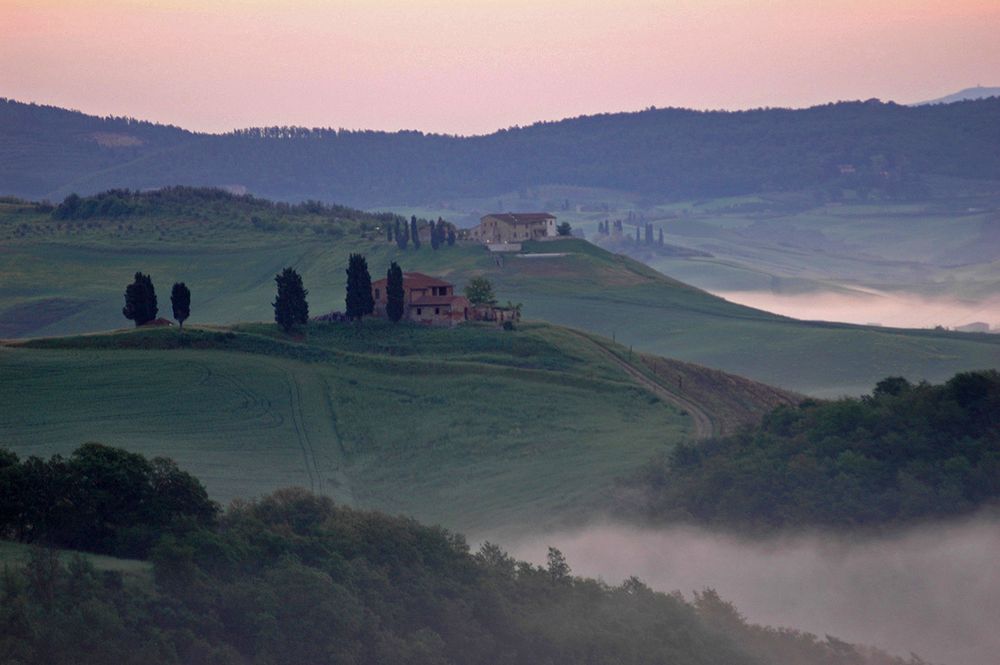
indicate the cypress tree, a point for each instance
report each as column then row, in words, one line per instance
column 290, row 306
column 394, row 293
column 414, row 232
column 388, row 233
column 180, row 301
column 435, row 237
column 140, row 300
column 451, row 236
column 661, row 236
column 359, row 300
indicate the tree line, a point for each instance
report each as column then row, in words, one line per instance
column 882, row 150
column 99, row 499
column 441, row 233
column 293, row 578
column 291, row 307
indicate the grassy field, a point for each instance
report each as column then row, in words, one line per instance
column 64, row 278
column 474, row 428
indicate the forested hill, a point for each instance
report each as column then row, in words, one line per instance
column 47, row 153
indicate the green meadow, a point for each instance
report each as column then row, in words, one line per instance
column 474, row 428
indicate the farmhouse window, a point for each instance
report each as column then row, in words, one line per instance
column 419, row 311
column 437, row 310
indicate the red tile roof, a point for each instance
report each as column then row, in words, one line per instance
column 415, row 280
column 522, row 217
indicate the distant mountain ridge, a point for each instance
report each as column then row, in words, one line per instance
column 47, row 152
column 968, row 94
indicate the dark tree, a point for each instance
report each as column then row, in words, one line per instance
column 388, row 233
column 290, row 306
column 435, row 234
column 661, row 236
column 451, row 236
column 180, row 300
column 359, row 300
column 564, row 229
column 395, row 296
column 402, row 234
column 649, row 234
column 414, row 232
column 140, row 300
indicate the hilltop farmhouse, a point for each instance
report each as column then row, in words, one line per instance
column 426, row 300
column 433, row 302
column 514, row 227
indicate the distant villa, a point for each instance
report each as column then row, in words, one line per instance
column 512, row 227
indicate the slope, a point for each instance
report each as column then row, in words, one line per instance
column 473, row 427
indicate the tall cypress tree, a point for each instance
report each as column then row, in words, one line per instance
column 414, row 232
column 661, row 236
column 359, row 300
column 140, row 300
column 394, row 293
column 180, row 301
column 435, row 238
column 388, row 233
column 451, row 236
column 290, row 306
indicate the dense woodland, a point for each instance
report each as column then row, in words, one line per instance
column 904, row 453
column 671, row 153
column 293, row 578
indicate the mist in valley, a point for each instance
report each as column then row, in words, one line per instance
column 933, row 591
column 901, row 310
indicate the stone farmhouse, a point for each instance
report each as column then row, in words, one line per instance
column 426, row 300
column 514, row 227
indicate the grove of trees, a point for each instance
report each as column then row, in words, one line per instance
column 904, row 453
column 293, row 579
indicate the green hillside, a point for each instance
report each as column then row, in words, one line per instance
column 67, row 276
column 473, row 428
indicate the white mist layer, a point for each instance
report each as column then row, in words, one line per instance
column 933, row 591
column 887, row 309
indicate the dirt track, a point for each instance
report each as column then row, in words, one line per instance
column 704, row 426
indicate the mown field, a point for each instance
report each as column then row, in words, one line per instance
column 476, row 428
column 68, row 277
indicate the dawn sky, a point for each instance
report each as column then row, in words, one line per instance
column 472, row 66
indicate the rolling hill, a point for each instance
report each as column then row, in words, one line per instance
column 476, row 427
column 46, row 152
column 67, row 276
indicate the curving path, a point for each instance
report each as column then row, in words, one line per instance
column 704, row 426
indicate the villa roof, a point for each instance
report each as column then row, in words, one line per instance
column 522, row 217
column 415, row 280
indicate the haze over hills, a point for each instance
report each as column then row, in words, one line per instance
column 48, row 152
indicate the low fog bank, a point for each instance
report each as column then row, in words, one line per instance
column 887, row 309
column 933, row 591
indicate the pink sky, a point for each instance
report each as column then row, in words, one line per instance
column 471, row 66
